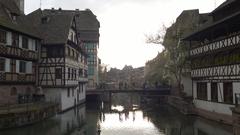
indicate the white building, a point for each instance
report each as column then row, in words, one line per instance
column 215, row 61
column 19, row 46
column 63, row 62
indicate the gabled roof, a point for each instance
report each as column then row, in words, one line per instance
column 86, row 23
column 223, row 5
column 56, row 27
column 20, row 25
column 85, row 19
column 11, row 6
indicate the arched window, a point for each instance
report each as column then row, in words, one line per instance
column 13, row 91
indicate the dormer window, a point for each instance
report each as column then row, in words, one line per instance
column 3, row 36
column 14, row 17
column 45, row 20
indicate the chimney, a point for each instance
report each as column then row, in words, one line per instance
column 20, row 5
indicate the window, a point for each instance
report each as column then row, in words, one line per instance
column 80, row 72
column 2, row 64
column 22, row 67
column 68, row 92
column 45, row 20
column 228, row 92
column 69, row 73
column 58, row 73
column 3, row 36
column 15, row 39
column 55, row 52
column 72, row 73
column 202, row 90
column 214, row 92
column 25, row 42
column 90, row 71
column 13, row 91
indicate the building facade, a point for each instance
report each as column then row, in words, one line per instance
column 214, row 55
column 63, row 63
column 88, row 34
column 19, row 55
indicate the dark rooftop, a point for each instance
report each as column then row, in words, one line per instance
column 53, row 27
column 20, row 24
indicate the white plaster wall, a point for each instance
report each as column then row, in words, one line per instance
column 68, row 102
column 220, row 92
column 20, row 41
column 17, row 66
column 74, row 35
column 213, row 107
column 7, row 65
column 209, row 91
column 9, row 38
column 82, row 92
column 29, row 67
column 31, row 44
column 236, row 90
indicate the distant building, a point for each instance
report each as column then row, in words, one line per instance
column 127, row 78
column 19, row 45
column 88, row 33
column 214, row 54
column 63, row 63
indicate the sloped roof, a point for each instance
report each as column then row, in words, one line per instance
column 11, row 6
column 86, row 23
column 223, row 5
column 204, row 30
column 20, row 25
column 56, row 29
column 85, row 19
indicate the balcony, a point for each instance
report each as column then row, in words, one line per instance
column 6, row 77
column 226, row 72
column 18, row 53
column 228, row 42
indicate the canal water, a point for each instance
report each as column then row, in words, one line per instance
column 124, row 115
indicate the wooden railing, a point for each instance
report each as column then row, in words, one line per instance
column 6, row 77
column 16, row 52
column 225, row 42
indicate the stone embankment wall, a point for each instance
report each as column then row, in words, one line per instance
column 24, row 115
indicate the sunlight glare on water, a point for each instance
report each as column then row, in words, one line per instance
column 132, row 123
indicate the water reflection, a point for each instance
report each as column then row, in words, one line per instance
column 125, row 115
column 69, row 123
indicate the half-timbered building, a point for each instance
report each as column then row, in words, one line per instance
column 215, row 57
column 88, row 34
column 63, row 62
column 19, row 46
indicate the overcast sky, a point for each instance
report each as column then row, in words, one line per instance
column 124, row 24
